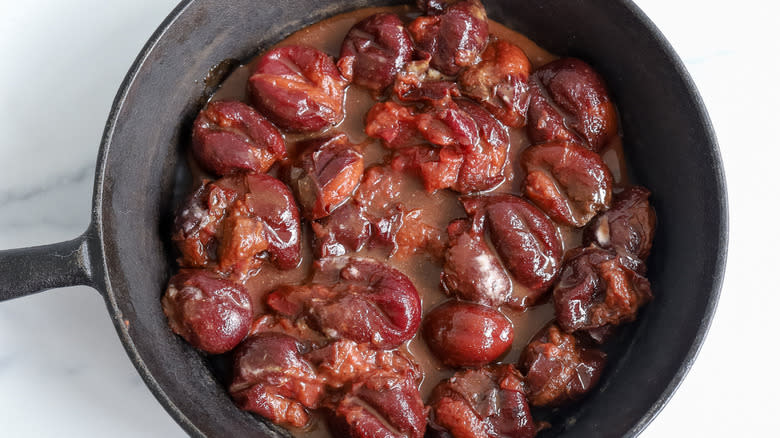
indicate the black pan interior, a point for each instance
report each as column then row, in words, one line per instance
column 669, row 146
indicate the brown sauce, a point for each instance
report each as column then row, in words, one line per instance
column 439, row 209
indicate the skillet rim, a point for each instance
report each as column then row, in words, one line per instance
column 103, row 283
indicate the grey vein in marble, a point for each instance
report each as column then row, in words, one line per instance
column 67, row 176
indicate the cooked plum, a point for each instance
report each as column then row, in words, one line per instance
column 500, row 82
column 355, row 298
column 484, row 160
column 380, row 405
column 570, row 103
column 272, row 379
column 231, row 137
column 345, row 230
column 628, row 226
column 393, row 225
column 454, row 38
column 465, row 334
column 374, row 50
column 596, row 289
column 198, row 222
column 525, row 239
column 299, row 88
column 234, row 221
column 325, row 175
column 209, row 312
column 558, row 369
column 438, row 168
column 418, row 82
column 342, row 362
column 471, row 271
column 485, row 402
column 415, row 236
column 469, row 146
column 568, row 182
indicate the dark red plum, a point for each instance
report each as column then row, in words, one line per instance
column 355, row 298
column 471, row 271
column 558, row 369
column 628, row 226
column 381, row 405
column 209, row 312
column 299, row 88
column 570, row 102
column 457, row 145
column 325, row 174
column 465, row 334
column 375, row 50
column 272, row 379
column 235, row 222
column 345, row 230
column 568, row 182
column 526, row 240
column 198, row 221
column 595, row 290
column 500, row 82
column 231, row 137
column 419, row 83
column 454, row 38
column 486, row 402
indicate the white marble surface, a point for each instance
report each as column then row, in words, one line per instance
column 63, row 371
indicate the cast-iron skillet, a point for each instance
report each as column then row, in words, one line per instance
column 124, row 254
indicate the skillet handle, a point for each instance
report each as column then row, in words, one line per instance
column 25, row 271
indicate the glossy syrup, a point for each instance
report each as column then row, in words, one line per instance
column 439, row 209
